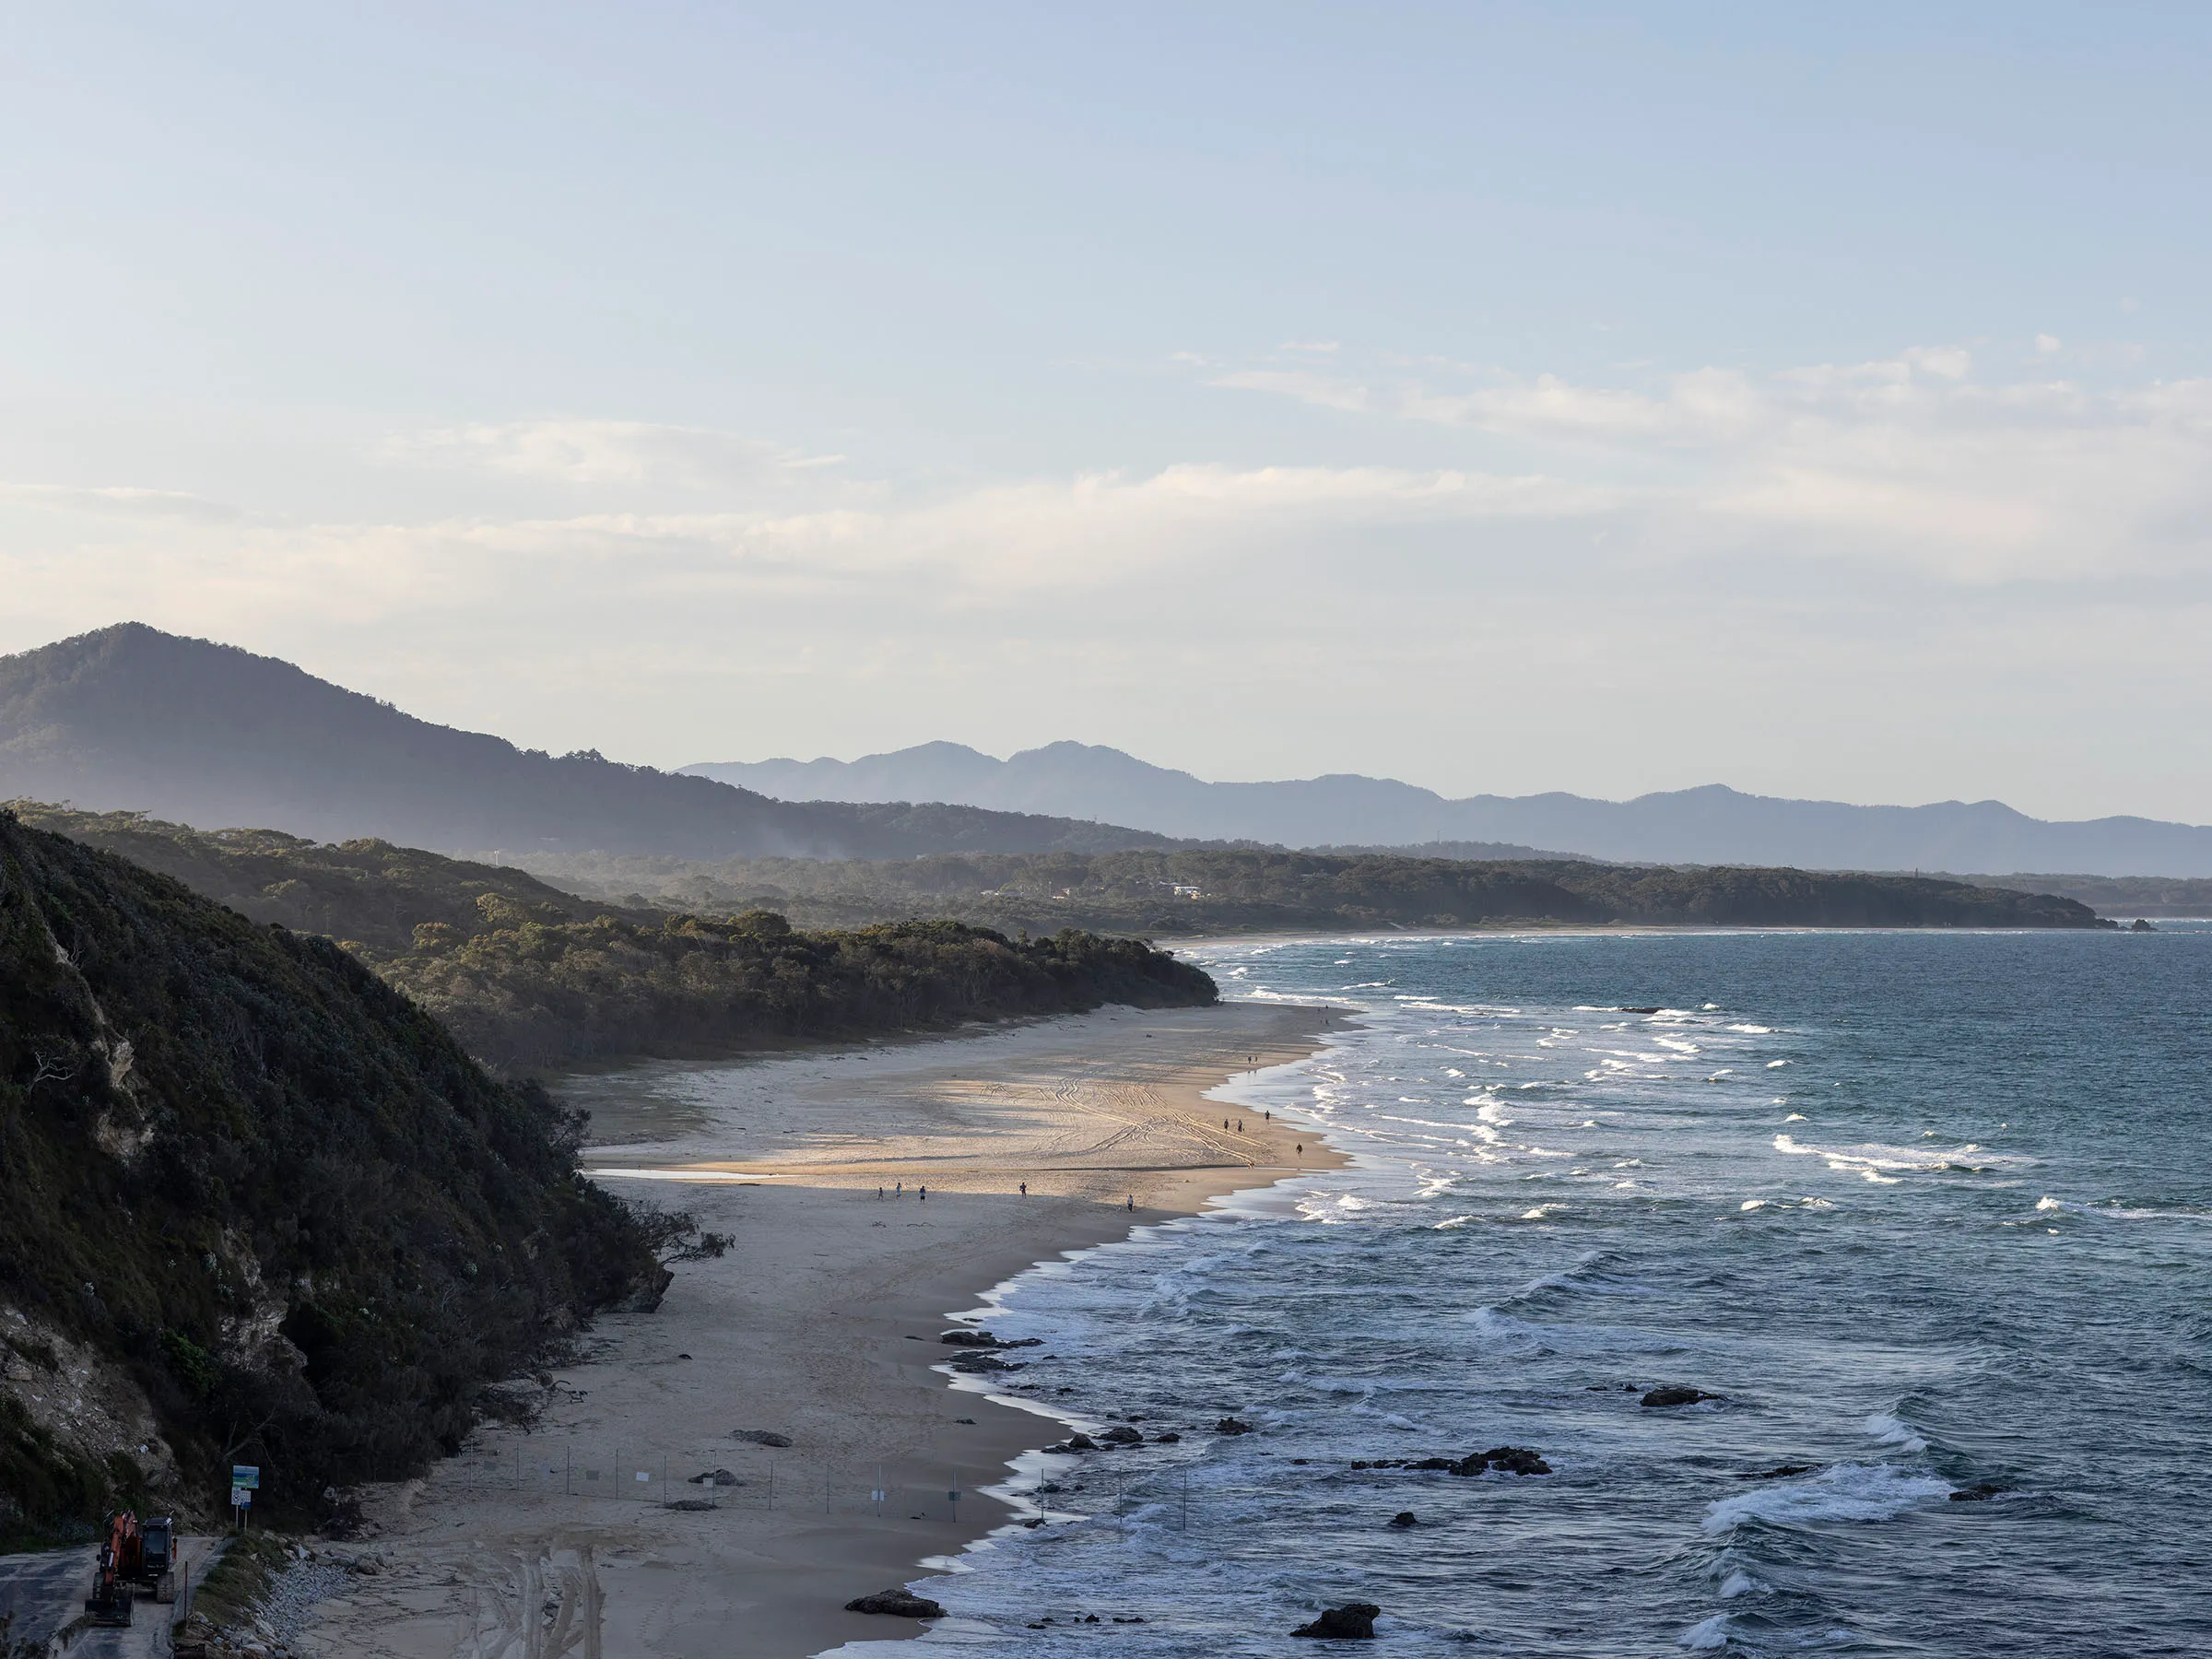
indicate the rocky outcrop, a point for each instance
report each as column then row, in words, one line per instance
column 1660, row 1397
column 1505, row 1460
column 1355, row 1622
column 895, row 1603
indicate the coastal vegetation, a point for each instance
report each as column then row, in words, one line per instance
column 2121, row 895
column 528, row 976
column 244, row 1178
column 1202, row 891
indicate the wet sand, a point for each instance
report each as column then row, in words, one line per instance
column 808, row 1329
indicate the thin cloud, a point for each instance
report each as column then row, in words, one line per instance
column 122, row 501
column 602, row 452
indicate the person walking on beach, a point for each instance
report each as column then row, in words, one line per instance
column 1025, row 1189
column 1132, row 1200
column 925, row 1191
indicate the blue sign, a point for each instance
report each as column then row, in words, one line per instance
column 245, row 1475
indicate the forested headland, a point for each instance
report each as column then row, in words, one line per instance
column 530, row 976
column 243, row 1176
column 1202, row 891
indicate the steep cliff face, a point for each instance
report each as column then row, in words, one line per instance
column 240, row 1171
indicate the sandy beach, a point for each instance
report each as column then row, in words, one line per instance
column 818, row 1328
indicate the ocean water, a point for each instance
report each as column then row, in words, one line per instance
column 1930, row 1213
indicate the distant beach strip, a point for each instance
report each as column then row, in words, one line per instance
column 702, row 1174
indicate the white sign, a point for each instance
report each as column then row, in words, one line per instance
column 241, row 1497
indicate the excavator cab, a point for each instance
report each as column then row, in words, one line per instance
column 158, row 1557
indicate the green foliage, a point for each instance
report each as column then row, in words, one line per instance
column 238, row 1164
column 226, row 1596
column 369, row 891
column 2122, row 895
column 529, row 976
column 1248, row 891
column 537, row 995
column 45, row 1488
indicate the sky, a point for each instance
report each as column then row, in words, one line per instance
column 1506, row 399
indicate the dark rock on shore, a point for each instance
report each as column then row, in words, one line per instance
column 761, row 1437
column 1167, row 1439
column 1508, row 1460
column 896, row 1604
column 1121, row 1434
column 1229, row 1425
column 1675, row 1396
column 691, row 1504
column 717, row 1477
column 971, row 1361
column 1355, row 1622
column 1075, row 1443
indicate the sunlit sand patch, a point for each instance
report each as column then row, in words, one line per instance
column 685, row 1173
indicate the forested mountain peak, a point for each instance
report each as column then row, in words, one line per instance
column 129, row 717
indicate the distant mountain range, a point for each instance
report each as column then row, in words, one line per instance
column 214, row 736
column 1712, row 825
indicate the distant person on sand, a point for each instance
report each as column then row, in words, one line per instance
column 1025, row 1189
column 925, row 1191
column 1132, row 1200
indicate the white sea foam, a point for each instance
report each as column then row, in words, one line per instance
column 1872, row 1156
column 2116, row 1212
column 1846, row 1492
column 1889, row 1431
column 1738, row 1583
column 1706, row 1634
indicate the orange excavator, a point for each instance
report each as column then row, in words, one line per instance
column 133, row 1556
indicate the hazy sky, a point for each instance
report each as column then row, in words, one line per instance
column 1605, row 399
